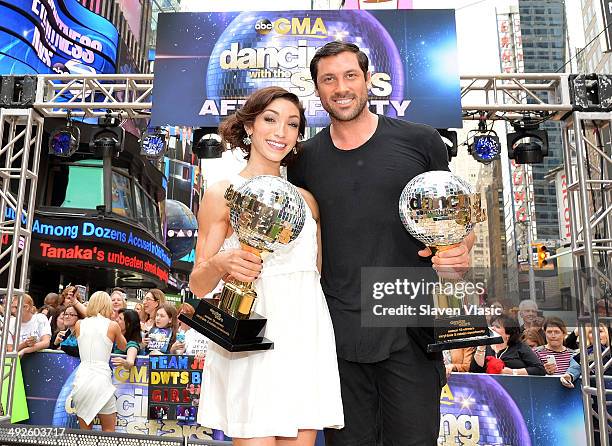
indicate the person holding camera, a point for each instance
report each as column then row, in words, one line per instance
column 66, row 339
column 554, row 355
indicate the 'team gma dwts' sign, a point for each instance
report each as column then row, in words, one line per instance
column 221, row 58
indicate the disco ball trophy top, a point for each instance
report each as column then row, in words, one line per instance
column 266, row 212
column 440, row 209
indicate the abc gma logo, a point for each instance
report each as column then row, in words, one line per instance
column 264, row 26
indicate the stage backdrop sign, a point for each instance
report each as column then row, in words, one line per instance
column 476, row 409
column 206, row 64
column 55, row 36
column 48, row 378
column 484, row 410
column 174, row 387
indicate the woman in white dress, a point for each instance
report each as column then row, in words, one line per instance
column 280, row 396
column 93, row 392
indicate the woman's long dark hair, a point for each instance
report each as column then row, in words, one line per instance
column 132, row 325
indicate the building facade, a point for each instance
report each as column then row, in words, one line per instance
column 544, row 39
column 595, row 56
column 132, row 18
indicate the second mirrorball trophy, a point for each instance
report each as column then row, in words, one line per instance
column 440, row 209
column 265, row 213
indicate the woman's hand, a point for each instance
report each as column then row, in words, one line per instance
column 238, row 263
column 566, row 381
column 550, row 367
column 177, row 346
column 449, row 370
column 60, row 337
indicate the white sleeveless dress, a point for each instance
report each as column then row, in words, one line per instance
column 93, row 391
column 295, row 385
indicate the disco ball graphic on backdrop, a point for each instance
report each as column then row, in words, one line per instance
column 372, row 38
column 499, row 419
column 60, row 417
column 181, row 230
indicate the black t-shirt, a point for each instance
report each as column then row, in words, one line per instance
column 358, row 192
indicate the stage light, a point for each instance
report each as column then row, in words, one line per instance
column 107, row 137
column 206, row 143
column 64, row 141
column 527, row 145
column 449, row 138
column 485, row 147
column 153, row 144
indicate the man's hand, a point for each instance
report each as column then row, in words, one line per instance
column 451, row 263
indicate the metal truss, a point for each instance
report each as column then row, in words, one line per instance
column 92, row 95
column 20, row 139
column 588, row 167
column 511, row 95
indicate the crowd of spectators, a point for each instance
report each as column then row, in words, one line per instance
column 151, row 327
column 531, row 344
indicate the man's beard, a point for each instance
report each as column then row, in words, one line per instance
column 348, row 115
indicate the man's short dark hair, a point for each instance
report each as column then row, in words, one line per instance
column 333, row 49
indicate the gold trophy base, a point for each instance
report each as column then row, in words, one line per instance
column 231, row 333
column 461, row 332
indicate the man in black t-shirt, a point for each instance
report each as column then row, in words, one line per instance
column 356, row 169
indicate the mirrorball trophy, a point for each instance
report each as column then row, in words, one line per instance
column 265, row 213
column 440, row 209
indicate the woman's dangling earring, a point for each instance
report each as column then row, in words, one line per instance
column 247, row 140
column 295, row 150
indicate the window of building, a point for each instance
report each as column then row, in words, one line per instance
column 122, row 203
column 85, row 188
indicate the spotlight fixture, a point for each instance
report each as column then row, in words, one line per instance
column 64, row 141
column 449, row 138
column 527, row 145
column 485, row 148
column 108, row 136
column 591, row 92
column 153, row 143
column 206, row 143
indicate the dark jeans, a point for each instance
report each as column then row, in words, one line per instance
column 394, row 402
